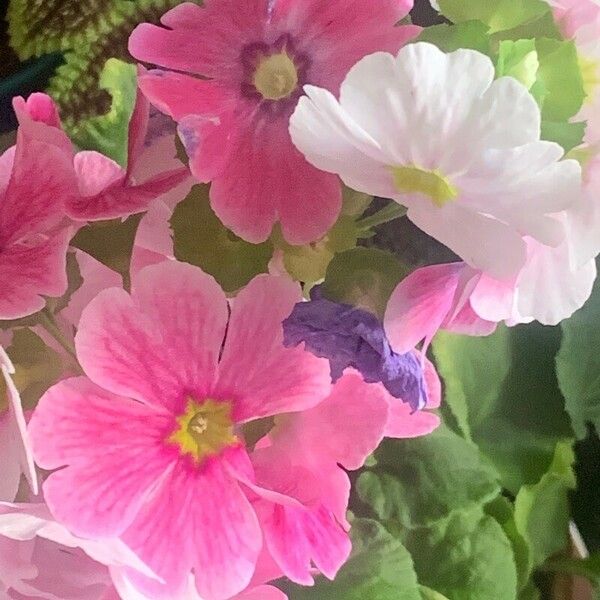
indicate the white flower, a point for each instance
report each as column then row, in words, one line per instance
column 461, row 151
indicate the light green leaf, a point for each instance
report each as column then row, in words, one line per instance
column 419, row 482
column 578, row 364
column 466, row 557
column 429, row 594
column 109, row 133
column 379, row 568
column 542, row 510
column 568, row 135
column 202, row 240
column 504, row 394
column 364, row 277
column 498, row 15
column 448, row 38
column 519, row 60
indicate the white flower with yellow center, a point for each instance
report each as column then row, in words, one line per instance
column 461, row 151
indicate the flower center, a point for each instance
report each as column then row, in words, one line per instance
column 410, row 180
column 276, row 76
column 204, row 429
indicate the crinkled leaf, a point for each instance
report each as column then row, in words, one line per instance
column 429, row 594
column 503, row 391
column 109, row 133
column 466, row 557
column 578, row 364
column 379, row 568
column 419, row 482
column 202, row 240
column 542, row 510
column 498, row 15
column 364, row 277
column 470, row 34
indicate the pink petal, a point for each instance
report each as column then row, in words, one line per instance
column 162, row 343
column 262, row 376
column 31, row 270
column 11, row 467
column 420, row 304
column 403, row 423
column 205, row 41
column 96, row 172
column 262, row 592
column 306, row 200
column 200, row 519
column 41, row 182
column 113, row 447
column 138, row 127
column 344, row 428
column 433, row 385
column 321, row 29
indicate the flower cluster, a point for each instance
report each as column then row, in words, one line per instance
column 196, row 438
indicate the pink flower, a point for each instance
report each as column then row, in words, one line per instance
column 254, row 58
column 36, row 182
column 152, row 440
column 15, row 449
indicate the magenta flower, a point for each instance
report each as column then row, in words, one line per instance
column 152, row 440
column 254, row 59
column 36, row 182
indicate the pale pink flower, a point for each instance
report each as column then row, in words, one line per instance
column 254, row 57
column 152, row 444
column 36, row 182
column 15, row 451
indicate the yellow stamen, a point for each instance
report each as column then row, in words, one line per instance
column 411, row 180
column 590, row 72
column 204, row 429
column 276, row 76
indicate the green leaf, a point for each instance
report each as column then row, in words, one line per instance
column 568, row 135
column 109, row 133
column 494, row 388
column 379, row 568
column 578, row 364
column 466, row 557
column 364, row 277
column 429, row 594
column 503, row 511
column 542, row 510
column 561, row 78
column 202, row 240
column 519, row 60
column 448, row 38
column 419, row 482
column 498, row 15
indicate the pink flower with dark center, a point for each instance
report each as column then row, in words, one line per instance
column 153, row 440
column 253, row 59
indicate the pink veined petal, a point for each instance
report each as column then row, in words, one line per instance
column 404, row 423
column 420, row 304
column 306, row 200
column 138, row 127
column 205, row 41
column 41, row 183
column 96, row 172
column 114, row 451
column 468, row 322
column 344, row 428
column 96, row 277
column 262, row 376
column 433, row 385
column 494, row 299
column 161, row 344
column 199, row 519
column 30, row 270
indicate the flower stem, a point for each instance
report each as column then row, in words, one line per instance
column 385, row 215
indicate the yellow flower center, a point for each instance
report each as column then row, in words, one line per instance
column 204, row 429
column 590, row 72
column 276, row 76
column 411, row 180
